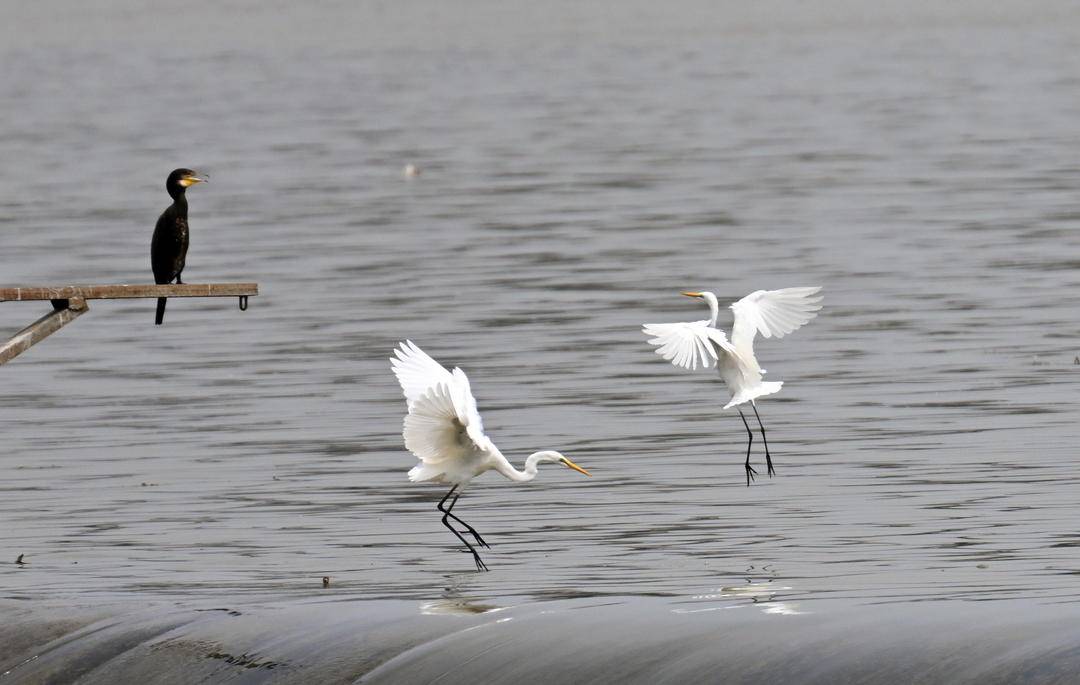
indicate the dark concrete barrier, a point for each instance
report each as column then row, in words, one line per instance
column 616, row 640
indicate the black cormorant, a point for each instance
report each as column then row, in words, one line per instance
column 168, row 249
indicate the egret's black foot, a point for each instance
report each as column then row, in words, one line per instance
column 476, row 536
column 768, row 463
column 750, row 473
column 480, row 565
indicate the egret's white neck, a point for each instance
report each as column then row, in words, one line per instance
column 714, row 308
column 507, row 469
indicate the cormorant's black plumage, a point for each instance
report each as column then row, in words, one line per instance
column 168, row 249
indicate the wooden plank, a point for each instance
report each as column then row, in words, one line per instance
column 109, row 292
column 64, row 312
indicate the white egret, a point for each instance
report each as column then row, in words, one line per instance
column 770, row 312
column 444, row 431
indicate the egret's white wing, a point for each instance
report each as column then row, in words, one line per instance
column 443, row 422
column 433, row 430
column 417, row 372
column 772, row 313
column 688, row 344
column 474, row 426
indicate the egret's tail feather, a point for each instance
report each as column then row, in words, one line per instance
column 160, row 310
column 759, row 390
column 422, row 472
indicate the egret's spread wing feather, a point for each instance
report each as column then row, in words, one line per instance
column 443, row 422
column 416, row 371
column 773, row 313
column 433, row 431
column 467, row 411
column 688, row 344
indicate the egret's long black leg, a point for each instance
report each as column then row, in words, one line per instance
column 750, row 472
column 768, row 457
column 480, row 566
column 468, row 528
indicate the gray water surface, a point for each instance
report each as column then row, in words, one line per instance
column 580, row 166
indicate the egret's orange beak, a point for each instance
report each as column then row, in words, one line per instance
column 690, row 294
column 571, row 465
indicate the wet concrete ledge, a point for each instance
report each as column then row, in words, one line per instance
column 599, row 640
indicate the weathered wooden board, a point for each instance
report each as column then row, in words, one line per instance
column 69, row 302
column 64, row 312
column 109, row 292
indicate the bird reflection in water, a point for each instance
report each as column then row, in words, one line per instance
column 761, row 593
column 459, row 606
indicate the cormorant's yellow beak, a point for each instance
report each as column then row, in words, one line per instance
column 690, row 294
column 192, row 180
column 571, row 465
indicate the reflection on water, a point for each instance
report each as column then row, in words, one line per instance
column 782, row 609
column 926, row 177
column 763, row 595
column 456, row 606
column 453, row 602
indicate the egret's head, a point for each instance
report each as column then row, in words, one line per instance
column 703, row 295
column 181, row 179
column 710, row 299
column 556, row 458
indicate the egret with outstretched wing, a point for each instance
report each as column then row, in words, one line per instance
column 444, row 431
column 773, row 313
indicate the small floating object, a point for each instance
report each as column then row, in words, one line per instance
column 410, row 171
column 19, row 561
column 326, row 581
